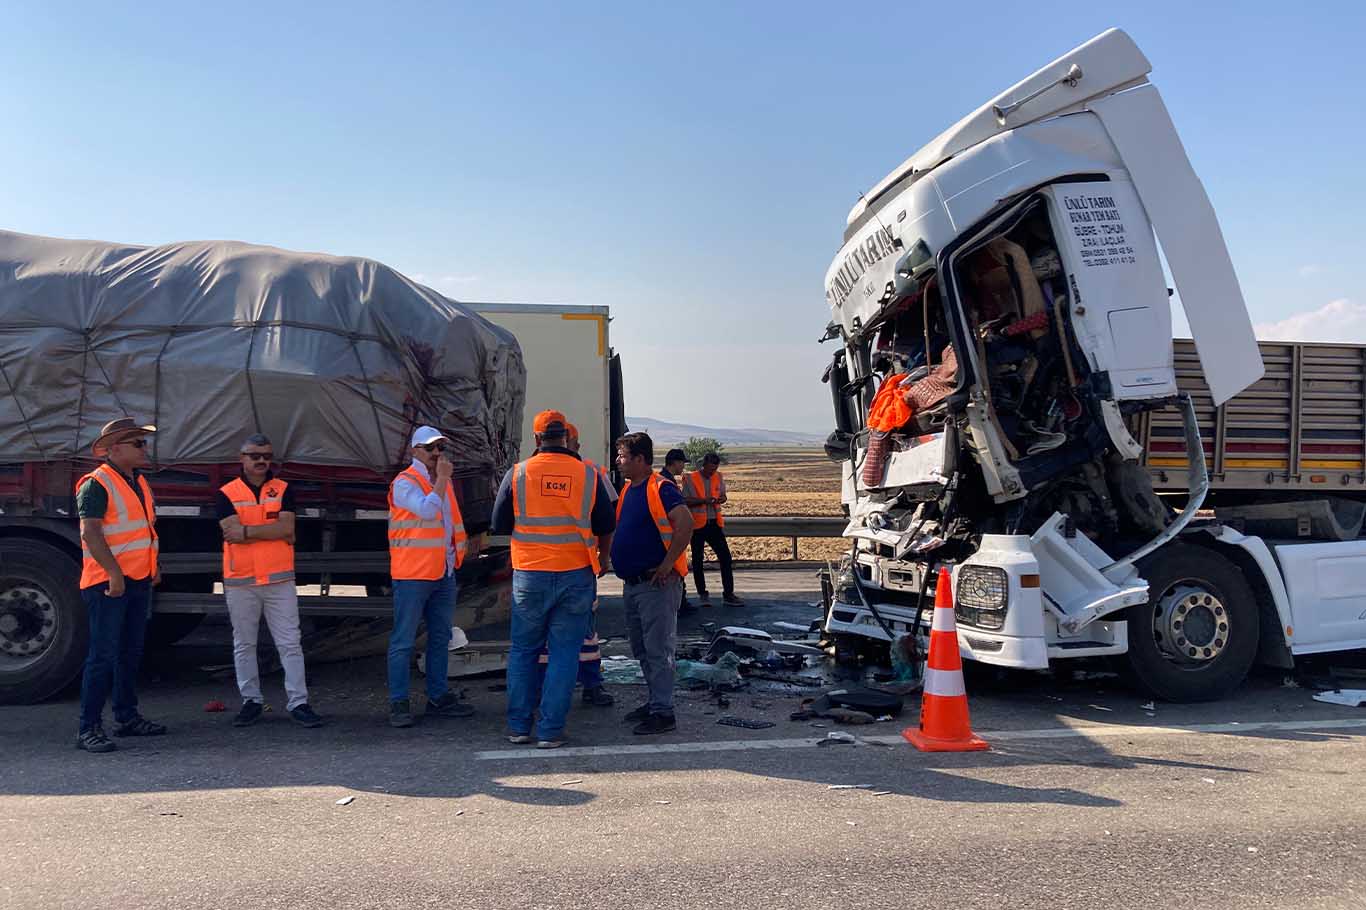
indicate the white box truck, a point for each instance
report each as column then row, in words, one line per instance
column 1004, row 285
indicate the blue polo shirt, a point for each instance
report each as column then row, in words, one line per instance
column 637, row 546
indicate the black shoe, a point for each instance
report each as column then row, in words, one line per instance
column 305, row 716
column 703, row 598
column 251, row 712
column 686, row 608
column 94, row 740
column 732, row 600
column 636, row 716
column 400, row 714
column 449, row 705
column 598, row 698
column 139, row 726
column 656, row 723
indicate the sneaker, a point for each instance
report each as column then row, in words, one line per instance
column 598, row 697
column 732, row 600
column 139, row 726
column 636, row 716
column 703, row 598
column 656, row 723
column 94, row 740
column 305, row 716
column 251, row 712
column 449, row 705
column 521, row 739
column 400, row 714
column 549, row 743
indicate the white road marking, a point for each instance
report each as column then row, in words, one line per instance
column 1090, row 731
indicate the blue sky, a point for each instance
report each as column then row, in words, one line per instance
column 690, row 165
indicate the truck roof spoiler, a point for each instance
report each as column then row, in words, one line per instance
column 1108, row 63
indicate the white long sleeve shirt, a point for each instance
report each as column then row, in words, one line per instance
column 409, row 495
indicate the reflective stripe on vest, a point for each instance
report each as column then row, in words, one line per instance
column 129, row 528
column 257, row 562
column 417, row 545
column 661, row 518
column 697, row 487
column 552, row 506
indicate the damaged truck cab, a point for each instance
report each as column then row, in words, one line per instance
column 1004, row 319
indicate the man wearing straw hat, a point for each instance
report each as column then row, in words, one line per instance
column 118, row 570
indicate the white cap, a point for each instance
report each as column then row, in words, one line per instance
column 423, row 436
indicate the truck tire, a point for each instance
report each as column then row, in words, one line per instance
column 44, row 632
column 1196, row 638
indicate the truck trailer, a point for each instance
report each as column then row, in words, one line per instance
column 1001, row 296
column 336, row 359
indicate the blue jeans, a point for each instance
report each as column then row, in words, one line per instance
column 415, row 601
column 548, row 609
column 118, row 629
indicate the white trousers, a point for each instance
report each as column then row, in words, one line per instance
column 279, row 603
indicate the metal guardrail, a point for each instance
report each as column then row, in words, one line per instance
column 794, row 527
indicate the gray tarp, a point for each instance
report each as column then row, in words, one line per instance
column 336, row 359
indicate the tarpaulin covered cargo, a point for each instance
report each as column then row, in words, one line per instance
column 337, row 359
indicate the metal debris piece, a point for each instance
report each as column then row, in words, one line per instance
column 346, row 800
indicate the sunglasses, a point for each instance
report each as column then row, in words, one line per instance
column 260, row 456
column 433, row 447
column 135, row 443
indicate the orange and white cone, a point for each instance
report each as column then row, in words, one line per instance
column 944, row 724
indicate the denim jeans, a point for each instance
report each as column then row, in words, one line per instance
column 414, row 602
column 550, row 609
column 118, row 629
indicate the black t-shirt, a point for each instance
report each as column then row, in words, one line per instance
column 225, row 509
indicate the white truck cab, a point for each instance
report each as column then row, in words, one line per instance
column 1005, row 282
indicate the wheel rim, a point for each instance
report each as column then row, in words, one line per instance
column 1191, row 625
column 29, row 622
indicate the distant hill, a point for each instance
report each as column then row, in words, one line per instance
column 663, row 431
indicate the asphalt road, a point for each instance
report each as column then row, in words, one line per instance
column 1089, row 798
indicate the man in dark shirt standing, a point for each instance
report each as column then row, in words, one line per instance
column 674, row 464
column 256, row 513
column 653, row 528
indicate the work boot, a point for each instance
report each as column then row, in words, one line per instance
column 656, row 723
column 732, row 600
column 449, row 705
column 251, row 712
column 636, row 716
column 139, row 726
column 94, row 740
column 305, row 716
column 400, row 714
column 598, row 697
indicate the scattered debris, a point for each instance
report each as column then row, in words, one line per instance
column 791, row 627
column 1208, row 780
column 1290, row 682
column 621, row 670
column 725, row 672
column 215, row 706
column 577, row 780
column 1100, row 708
column 852, row 824
column 730, row 720
column 1150, row 706
column 837, row 738
column 849, row 787
column 883, row 793
column 1350, row 698
column 346, row 801
column 1251, row 849
column 662, row 802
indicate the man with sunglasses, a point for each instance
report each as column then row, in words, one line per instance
column 119, row 568
column 256, row 513
column 427, row 545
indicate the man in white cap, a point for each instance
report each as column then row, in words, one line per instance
column 427, row 545
column 119, row 567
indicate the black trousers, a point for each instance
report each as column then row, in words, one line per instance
column 713, row 534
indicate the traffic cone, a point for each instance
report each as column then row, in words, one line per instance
column 944, row 725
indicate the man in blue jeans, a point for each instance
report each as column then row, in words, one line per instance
column 427, row 545
column 559, row 524
column 119, row 567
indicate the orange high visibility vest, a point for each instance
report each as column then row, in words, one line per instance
column 257, row 562
column 666, row 530
column 698, row 487
column 552, row 506
column 417, row 546
column 129, row 529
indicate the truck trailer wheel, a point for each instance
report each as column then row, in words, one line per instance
column 44, row 632
column 1196, row 638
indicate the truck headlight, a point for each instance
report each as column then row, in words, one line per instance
column 982, row 597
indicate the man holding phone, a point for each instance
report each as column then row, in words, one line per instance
column 427, row 544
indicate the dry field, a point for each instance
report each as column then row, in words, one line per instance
column 782, row 481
